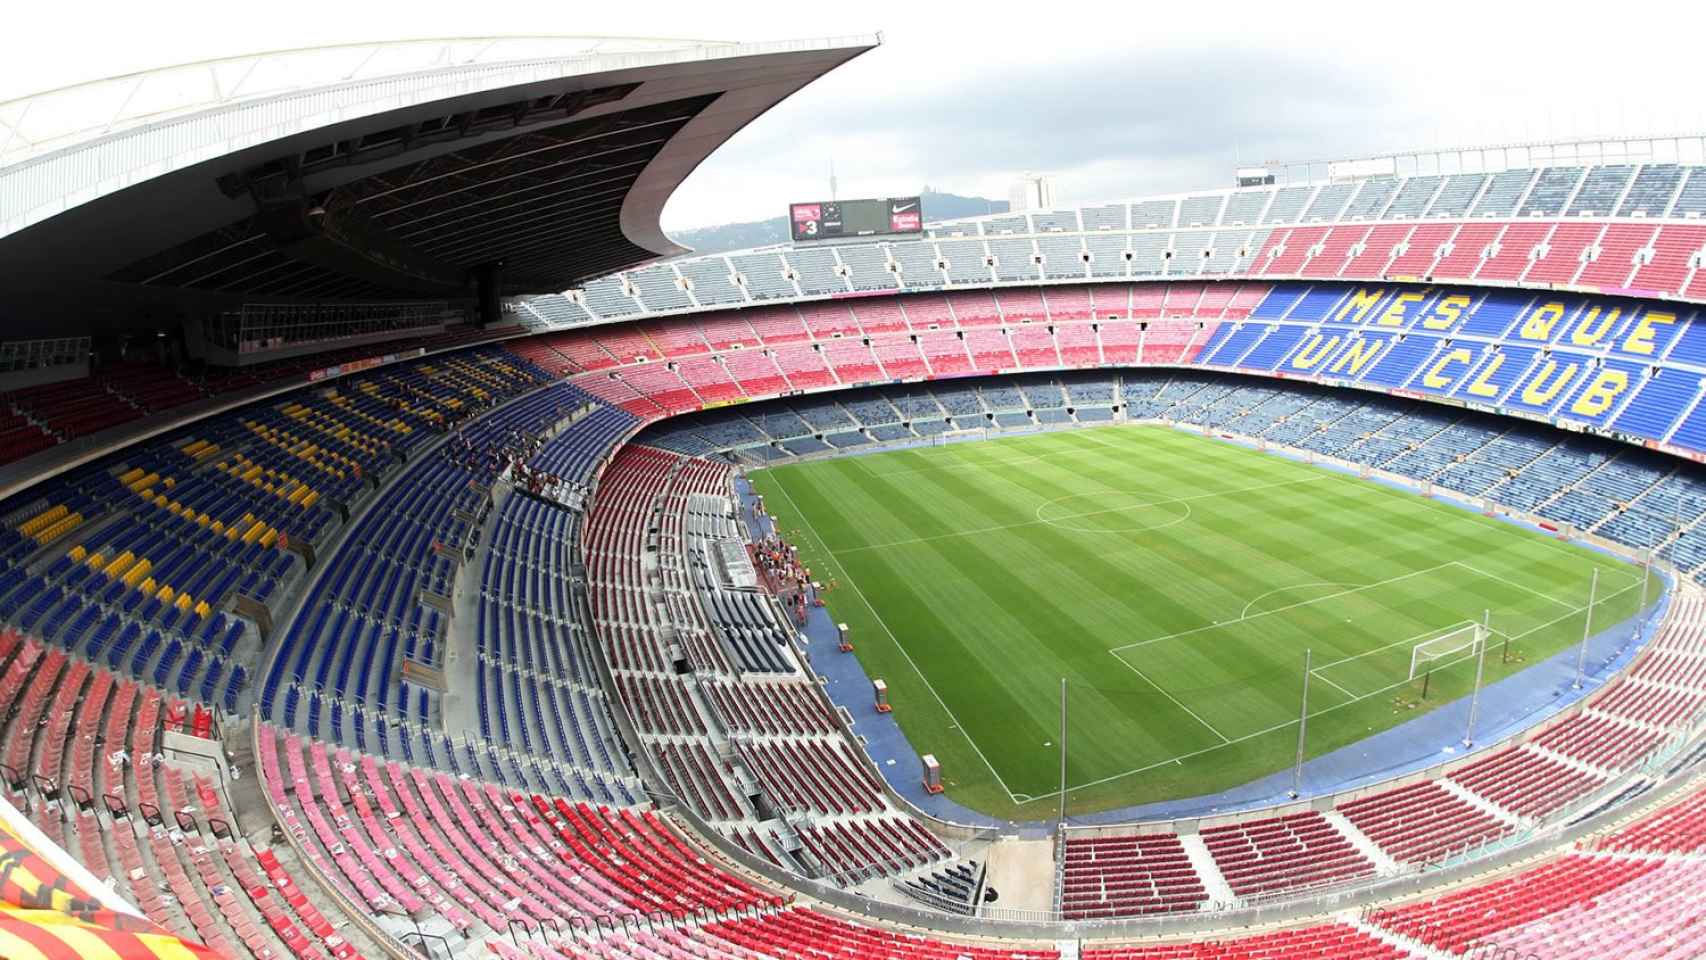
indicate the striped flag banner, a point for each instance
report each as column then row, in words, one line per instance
column 51, row 908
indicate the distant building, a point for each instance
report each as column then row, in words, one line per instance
column 1032, row 191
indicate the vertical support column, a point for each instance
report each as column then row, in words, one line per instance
column 1587, row 631
column 1481, row 635
column 1062, row 754
column 1302, row 729
column 488, row 287
column 1646, row 586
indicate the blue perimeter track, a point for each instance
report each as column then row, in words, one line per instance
column 1507, row 707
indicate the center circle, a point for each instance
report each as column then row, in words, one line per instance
column 1103, row 513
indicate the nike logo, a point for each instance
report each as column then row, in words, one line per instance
column 903, row 207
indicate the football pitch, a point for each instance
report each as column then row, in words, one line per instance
column 1175, row 582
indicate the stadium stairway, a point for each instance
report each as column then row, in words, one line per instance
column 839, row 823
column 1484, row 798
column 1406, row 946
column 108, row 784
column 517, row 644
column 1383, row 862
column 387, row 855
column 1480, row 803
column 1578, row 765
column 1213, row 881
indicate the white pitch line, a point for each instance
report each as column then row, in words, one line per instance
column 1398, row 643
column 1171, row 522
column 1224, row 739
column 1570, row 547
column 1317, row 674
column 1090, row 434
column 1025, row 799
column 1289, row 606
column 901, row 471
column 1074, row 516
column 1307, row 583
column 848, row 576
column 994, row 462
column 1512, row 583
column 1312, row 715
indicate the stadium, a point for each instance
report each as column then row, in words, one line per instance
column 409, row 550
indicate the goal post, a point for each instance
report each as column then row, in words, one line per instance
column 1465, row 637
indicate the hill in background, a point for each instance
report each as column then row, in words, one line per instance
column 757, row 233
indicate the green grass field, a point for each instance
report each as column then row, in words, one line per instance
column 1175, row 582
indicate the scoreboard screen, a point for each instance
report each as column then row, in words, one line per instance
column 829, row 219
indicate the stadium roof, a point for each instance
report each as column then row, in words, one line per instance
column 385, row 171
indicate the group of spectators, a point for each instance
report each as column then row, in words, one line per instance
column 479, row 459
column 790, row 579
column 511, row 454
column 566, row 491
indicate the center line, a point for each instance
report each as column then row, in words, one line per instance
column 1074, row 516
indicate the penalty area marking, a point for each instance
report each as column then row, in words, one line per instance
column 1290, row 606
column 1315, row 675
column 1024, row 799
column 1224, row 739
column 1324, row 710
column 1528, row 589
column 1089, row 434
column 1296, row 586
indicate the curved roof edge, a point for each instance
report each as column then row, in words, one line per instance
column 642, row 207
column 154, row 124
column 41, row 122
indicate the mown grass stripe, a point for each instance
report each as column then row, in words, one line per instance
column 989, row 608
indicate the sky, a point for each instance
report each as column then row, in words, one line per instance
column 1111, row 100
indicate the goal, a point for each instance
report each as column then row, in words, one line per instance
column 1463, row 637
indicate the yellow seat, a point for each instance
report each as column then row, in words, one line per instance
column 137, row 572
column 42, row 521
column 59, row 528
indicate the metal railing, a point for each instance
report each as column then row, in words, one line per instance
column 1472, row 857
column 1559, row 828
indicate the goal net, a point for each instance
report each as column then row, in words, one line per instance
column 1466, row 637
